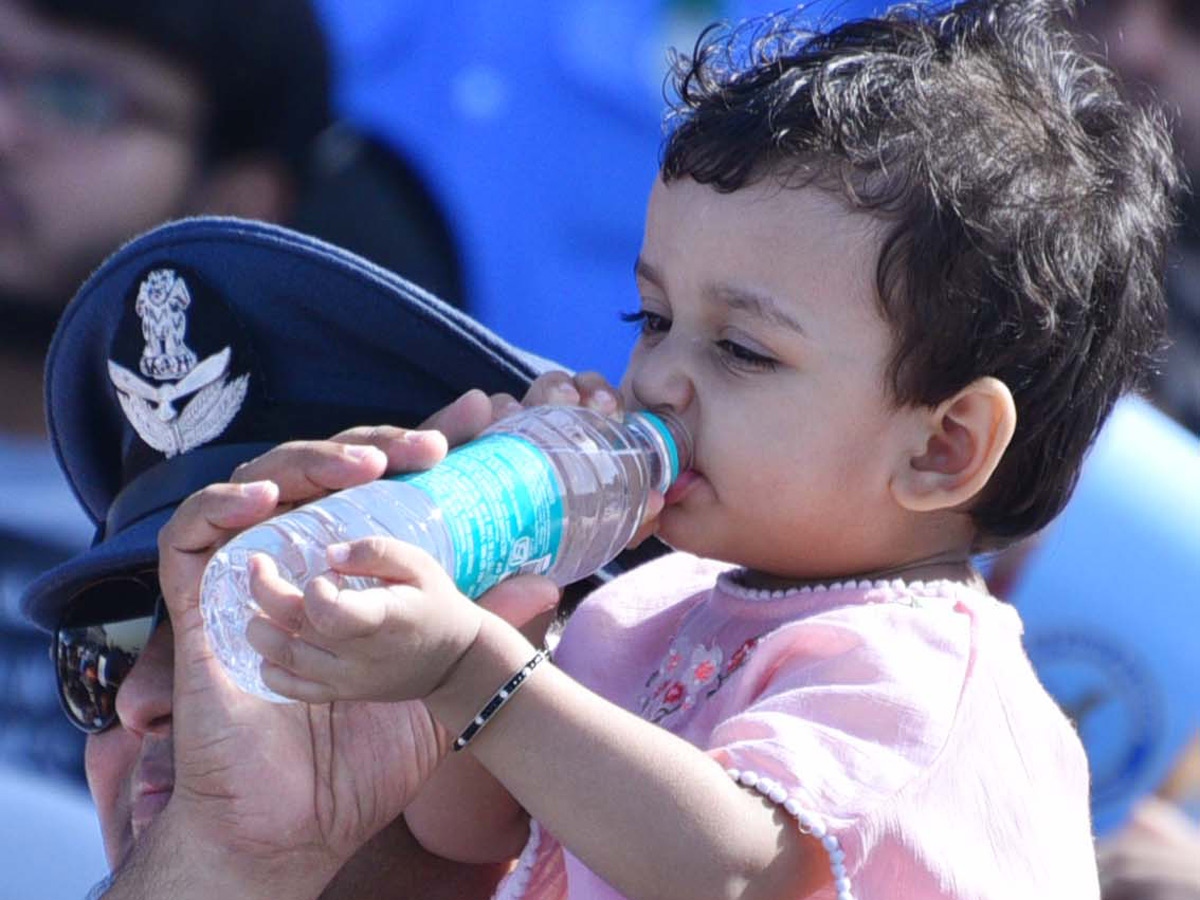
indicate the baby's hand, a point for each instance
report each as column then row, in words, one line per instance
column 396, row 642
column 589, row 389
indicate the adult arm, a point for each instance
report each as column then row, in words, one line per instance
column 274, row 800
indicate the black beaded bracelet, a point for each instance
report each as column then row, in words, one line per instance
column 501, row 697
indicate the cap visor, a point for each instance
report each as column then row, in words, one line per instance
column 133, row 549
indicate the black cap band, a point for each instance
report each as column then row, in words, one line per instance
column 172, row 480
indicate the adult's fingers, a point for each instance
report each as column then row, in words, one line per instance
column 504, row 405
column 203, row 522
column 521, row 598
column 406, row 449
column 204, row 519
column 307, row 469
column 463, row 419
column 304, row 469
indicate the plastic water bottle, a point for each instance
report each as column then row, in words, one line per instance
column 552, row 490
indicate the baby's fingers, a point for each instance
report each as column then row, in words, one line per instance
column 292, row 666
column 590, row 389
column 323, row 613
column 552, row 388
column 339, row 615
column 290, row 685
column 386, row 558
column 503, row 406
column 596, row 393
column 278, row 598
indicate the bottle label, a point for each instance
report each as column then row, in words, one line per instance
column 502, row 504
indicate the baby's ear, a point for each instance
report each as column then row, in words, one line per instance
column 961, row 442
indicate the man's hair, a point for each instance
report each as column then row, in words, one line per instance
column 1027, row 206
column 263, row 65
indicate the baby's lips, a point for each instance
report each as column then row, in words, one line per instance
column 682, row 485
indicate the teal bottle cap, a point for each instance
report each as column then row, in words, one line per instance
column 655, row 420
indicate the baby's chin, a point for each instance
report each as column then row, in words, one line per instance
column 687, row 534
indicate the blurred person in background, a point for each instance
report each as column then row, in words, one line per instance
column 1117, row 646
column 113, row 118
column 1156, row 856
column 1155, row 46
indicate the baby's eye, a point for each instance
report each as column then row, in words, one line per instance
column 647, row 322
column 743, row 357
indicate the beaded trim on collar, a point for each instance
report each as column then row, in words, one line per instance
column 727, row 582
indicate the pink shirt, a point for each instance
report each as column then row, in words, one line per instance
column 900, row 723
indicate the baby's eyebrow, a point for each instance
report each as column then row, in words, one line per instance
column 761, row 305
column 643, row 269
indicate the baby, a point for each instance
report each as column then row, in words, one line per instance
column 893, row 279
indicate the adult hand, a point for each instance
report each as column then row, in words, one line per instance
column 283, row 795
column 1154, row 857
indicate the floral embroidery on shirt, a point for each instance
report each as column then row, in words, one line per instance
column 688, row 673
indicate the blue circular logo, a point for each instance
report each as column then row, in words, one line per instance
column 1114, row 702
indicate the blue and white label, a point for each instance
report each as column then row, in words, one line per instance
column 502, row 503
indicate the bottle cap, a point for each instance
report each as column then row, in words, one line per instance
column 675, row 438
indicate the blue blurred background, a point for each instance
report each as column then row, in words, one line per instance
column 537, row 126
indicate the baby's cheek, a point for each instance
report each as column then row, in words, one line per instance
column 109, row 760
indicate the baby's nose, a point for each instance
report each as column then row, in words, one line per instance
column 658, row 379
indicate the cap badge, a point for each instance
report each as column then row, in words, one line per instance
column 162, row 303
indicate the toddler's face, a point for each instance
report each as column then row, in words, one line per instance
column 760, row 327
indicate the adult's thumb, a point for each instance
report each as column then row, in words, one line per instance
column 521, row 598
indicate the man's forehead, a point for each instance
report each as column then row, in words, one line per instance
column 26, row 32
column 27, row 37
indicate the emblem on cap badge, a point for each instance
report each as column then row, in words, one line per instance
column 162, row 303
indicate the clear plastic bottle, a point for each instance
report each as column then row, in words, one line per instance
column 553, row 490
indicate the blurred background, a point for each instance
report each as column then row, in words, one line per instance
column 500, row 155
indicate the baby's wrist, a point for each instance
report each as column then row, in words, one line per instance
column 497, row 652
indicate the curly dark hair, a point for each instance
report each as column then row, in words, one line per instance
column 1029, row 206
